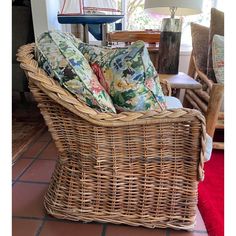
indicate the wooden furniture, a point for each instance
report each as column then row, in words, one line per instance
column 135, row 168
column 180, row 81
column 124, row 38
column 148, row 36
column 208, row 100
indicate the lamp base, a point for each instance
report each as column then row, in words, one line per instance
column 169, row 47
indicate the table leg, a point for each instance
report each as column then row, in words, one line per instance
column 175, row 92
column 86, row 35
column 104, row 34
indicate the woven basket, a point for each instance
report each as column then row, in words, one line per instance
column 135, row 168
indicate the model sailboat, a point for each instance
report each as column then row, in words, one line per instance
column 89, row 12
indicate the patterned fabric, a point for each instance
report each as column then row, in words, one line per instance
column 216, row 27
column 218, row 60
column 218, row 57
column 58, row 55
column 128, row 75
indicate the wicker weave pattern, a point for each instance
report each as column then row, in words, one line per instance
column 135, row 168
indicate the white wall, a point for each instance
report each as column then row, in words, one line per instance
column 39, row 15
column 53, row 7
column 185, row 53
column 44, row 13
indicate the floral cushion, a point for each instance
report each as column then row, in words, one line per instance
column 218, row 60
column 218, row 57
column 216, row 27
column 128, row 75
column 60, row 58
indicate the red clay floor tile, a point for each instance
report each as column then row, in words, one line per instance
column 50, row 152
column 41, row 170
column 45, row 137
column 34, row 150
column 19, row 167
column 52, row 228
column 23, row 227
column 27, row 199
column 122, row 230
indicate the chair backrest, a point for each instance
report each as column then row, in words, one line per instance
column 208, row 100
column 148, row 36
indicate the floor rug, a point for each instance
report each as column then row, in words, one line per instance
column 211, row 194
column 24, row 133
column 27, row 125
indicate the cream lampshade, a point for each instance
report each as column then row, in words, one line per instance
column 171, row 28
column 180, row 7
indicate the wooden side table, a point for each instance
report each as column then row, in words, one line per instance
column 180, row 81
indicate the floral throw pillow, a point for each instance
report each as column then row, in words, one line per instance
column 57, row 53
column 218, row 60
column 218, row 57
column 128, row 75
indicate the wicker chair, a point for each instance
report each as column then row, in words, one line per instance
column 135, row 168
column 208, row 100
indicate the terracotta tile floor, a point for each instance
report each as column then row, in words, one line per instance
column 31, row 175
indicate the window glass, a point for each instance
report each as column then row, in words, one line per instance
column 137, row 19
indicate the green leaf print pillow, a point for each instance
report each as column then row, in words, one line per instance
column 58, row 55
column 128, row 75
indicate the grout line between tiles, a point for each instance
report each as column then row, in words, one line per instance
column 67, row 221
column 38, row 232
column 104, row 229
column 47, row 218
column 32, row 143
column 28, row 217
column 32, row 182
column 167, row 232
column 36, row 158
column 27, row 158
column 46, row 159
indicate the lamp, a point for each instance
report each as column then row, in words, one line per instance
column 169, row 47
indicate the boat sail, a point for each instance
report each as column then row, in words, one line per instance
column 72, row 7
column 101, row 6
column 104, row 7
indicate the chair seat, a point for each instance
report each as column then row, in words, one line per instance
column 173, row 102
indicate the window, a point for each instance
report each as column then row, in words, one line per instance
column 137, row 19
